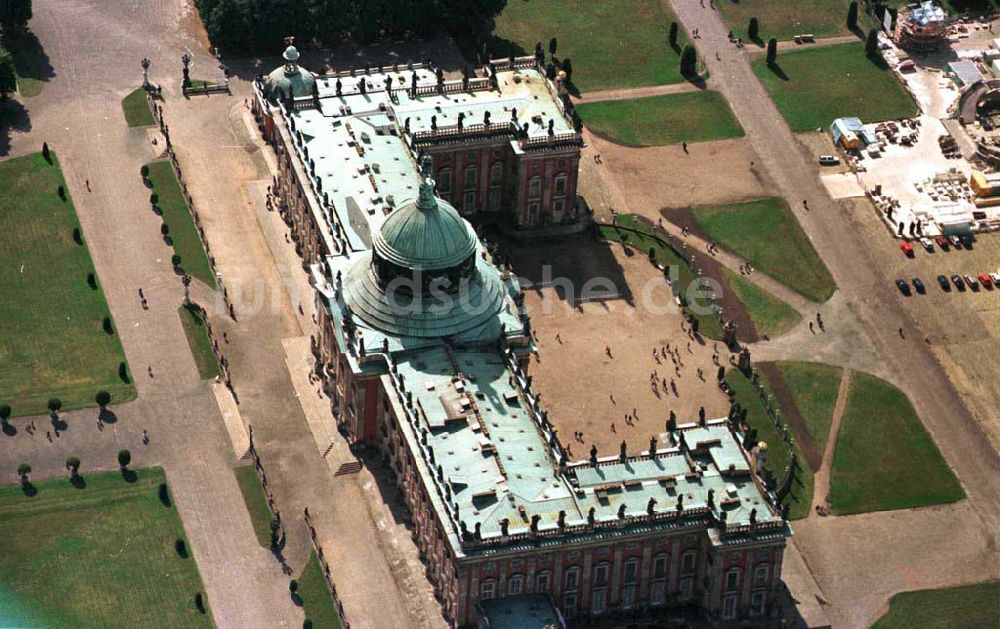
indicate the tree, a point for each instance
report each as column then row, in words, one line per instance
column 106, row 324
column 567, row 67
column 672, row 38
column 4, row 413
column 154, row 199
column 772, row 51
column 73, row 465
column 871, row 44
column 45, row 152
column 852, row 16
column 689, row 61
column 753, row 29
column 15, row 14
column 8, row 74
column 124, row 458
column 23, row 470
column 176, row 261
column 54, row 404
column 164, row 230
column 103, row 398
column 552, row 46
column 144, row 171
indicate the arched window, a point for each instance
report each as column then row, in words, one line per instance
column 443, row 183
column 543, row 581
column 631, row 570
column 496, row 174
column 601, row 574
column 515, row 584
column 535, row 187
column 559, row 190
column 571, row 580
column 660, row 566
column 688, row 562
column 733, row 579
column 471, row 173
column 761, row 575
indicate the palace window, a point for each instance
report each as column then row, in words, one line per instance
column 658, row 592
column 469, row 201
column 757, row 602
column 660, row 566
column 443, row 183
column 732, row 579
column 572, row 578
column 560, row 186
column 685, row 588
column 515, row 584
column 628, row 596
column 533, row 212
column 569, row 604
column 687, row 562
column 599, row 601
column 488, row 589
column 760, row 575
column 631, row 570
column 558, row 206
column 535, row 187
column 729, row 607
column 543, row 582
column 601, row 575
column 470, row 177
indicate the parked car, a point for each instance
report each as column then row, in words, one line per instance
column 907, row 248
column 971, row 281
column 955, row 242
column 966, row 241
column 957, row 281
column 996, row 279
column 829, row 160
column 903, row 287
column 984, row 279
column 942, row 242
column 928, row 245
column 918, row 285
column 943, row 281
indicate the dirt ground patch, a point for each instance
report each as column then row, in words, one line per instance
column 664, row 176
column 583, row 388
column 791, row 414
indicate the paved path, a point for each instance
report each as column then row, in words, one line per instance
column 857, row 585
column 636, row 92
column 821, row 479
column 79, row 115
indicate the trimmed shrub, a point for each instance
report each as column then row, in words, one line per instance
column 106, row 324
column 54, row 404
column 144, row 171
column 124, row 458
column 5, row 412
column 103, row 398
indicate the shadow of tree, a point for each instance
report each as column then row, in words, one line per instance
column 28, row 489
column 78, row 481
column 9, row 429
column 30, row 58
column 13, row 117
column 107, row 416
column 129, row 475
column 778, row 72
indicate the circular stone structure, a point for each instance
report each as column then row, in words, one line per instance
column 425, row 276
column 290, row 80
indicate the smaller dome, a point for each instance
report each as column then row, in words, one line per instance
column 290, row 80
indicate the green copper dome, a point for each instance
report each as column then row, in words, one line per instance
column 425, row 235
column 290, row 80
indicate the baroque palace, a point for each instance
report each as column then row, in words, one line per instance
column 423, row 349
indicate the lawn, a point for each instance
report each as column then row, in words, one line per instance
column 177, row 216
column 136, row 109
column 52, row 341
column 766, row 233
column 256, row 502
column 660, row 120
column 965, row 607
column 708, row 324
column 884, row 458
column 784, row 20
column 778, row 454
column 199, row 342
column 770, row 315
column 612, row 43
column 813, row 87
column 317, row 602
column 98, row 556
column 814, row 389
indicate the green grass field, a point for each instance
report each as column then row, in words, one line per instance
column 612, row 43
column 965, row 607
column 98, row 556
column 884, row 458
column 52, row 343
column 199, row 342
column 813, row 87
column 177, row 216
column 708, row 325
column 778, row 454
column 770, row 315
column 814, row 389
column 661, row 120
column 784, row 20
column 317, row 602
column 766, row 233
column 256, row 502
column 135, row 106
